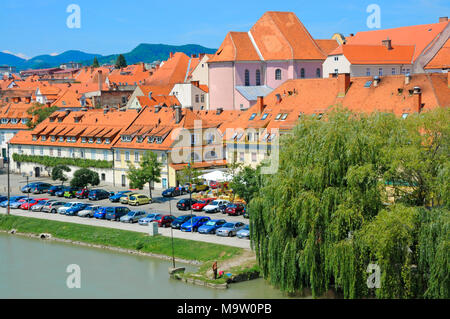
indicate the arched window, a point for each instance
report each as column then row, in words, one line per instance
column 302, row 73
column 278, row 74
column 247, row 78
column 258, row 77
column 318, row 72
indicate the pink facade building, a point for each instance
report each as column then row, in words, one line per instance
column 251, row 64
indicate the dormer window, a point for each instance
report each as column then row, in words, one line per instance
column 159, row 140
column 14, row 121
column 53, row 138
column 107, row 141
column 151, row 139
column 24, row 121
column 83, row 140
column 4, row 121
column 76, row 119
column 60, row 119
column 61, row 138
column 91, row 140
column 139, row 139
column 52, row 119
column 126, row 138
column 99, row 140
column 34, row 138
column 44, row 138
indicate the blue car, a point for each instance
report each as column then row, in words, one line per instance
column 100, row 213
column 11, row 200
column 148, row 219
column 193, row 224
column 210, row 226
column 19, row 202
column 116, row 197
column 73, row 211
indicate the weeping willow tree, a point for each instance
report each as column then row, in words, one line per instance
column 324, row 216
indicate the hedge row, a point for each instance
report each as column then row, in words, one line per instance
column 49, row 161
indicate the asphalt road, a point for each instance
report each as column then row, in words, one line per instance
column 160, row 205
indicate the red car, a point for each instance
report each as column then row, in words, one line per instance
column 165, row 221
column 31, row 203
column 82, row 193
column 214, row 184
column 234, row 209
column 202, row 203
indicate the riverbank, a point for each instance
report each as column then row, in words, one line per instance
column 231, row 260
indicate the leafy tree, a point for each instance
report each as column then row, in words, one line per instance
column 121, row 62
column 95, row 64
column 58, row 173
column 188, row 175
column 84, row 177
column 39, row 112
column 326, row 215
column 246, row 182
column 149, row 171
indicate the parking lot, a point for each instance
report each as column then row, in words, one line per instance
column 160, row 204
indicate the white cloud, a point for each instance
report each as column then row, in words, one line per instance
column 20, row 55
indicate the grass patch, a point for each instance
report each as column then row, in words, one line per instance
column 185, row 249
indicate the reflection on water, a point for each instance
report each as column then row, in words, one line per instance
column 31, row 268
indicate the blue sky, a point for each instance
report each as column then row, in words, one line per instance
column 33, row 27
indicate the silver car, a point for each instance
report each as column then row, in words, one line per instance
column 88, row 211
column 132, row 216
column 244, row 232
column 230, row 229
column 62, row 209
column 52, row 207
column 40, row 205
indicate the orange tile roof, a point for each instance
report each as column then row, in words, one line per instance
column 376, row 54
column 173, row 71
column 15, row 111
column 418, row 35
column 442, row 58
column 327, row 45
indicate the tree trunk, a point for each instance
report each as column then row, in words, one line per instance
column 150, row 188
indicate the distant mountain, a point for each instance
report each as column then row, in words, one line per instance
column 142, row 53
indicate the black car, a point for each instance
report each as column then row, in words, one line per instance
column 98, row 194
column 171, row 192
column 176, row 224
column 52, row 190
column 186, row 203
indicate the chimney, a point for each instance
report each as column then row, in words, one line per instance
column 417, row 99
column 376, row 80
column 219, row 111
column 193, row 56
column 171, row 55
column 351, row 35
column 407, row 78
column 178, row 114
column 260, row 104
column 28, row 100
column 443, row 19
column 195, row 83
column 201, row 55
column 343, row 83
column 278, row 97
column 387, row 43
column 100, row 80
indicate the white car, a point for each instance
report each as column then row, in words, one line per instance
column 62, row 210
column 88, row 211
column 214, row 206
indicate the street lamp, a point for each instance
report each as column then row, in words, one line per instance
column 9, row 190
column 27, row 177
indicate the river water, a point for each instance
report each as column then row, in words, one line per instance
column 32, row 268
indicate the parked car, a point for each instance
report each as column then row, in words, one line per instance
column 211, row 226
column 200, row 204
column 244, row 232
column 3, row 198
column 88, row 211
column 198, row 188
column 82, row 193
column 53, row 207
column 214, row 184
column 41, row 188
column 28, row 188
column 132, row 216
column 214, row 206
column 70, row 192
column 60, row 193
column 98, row 194
column 114, row 213
column 165, row 221
column 52, row 190
column 194, row 223
column 73, row 211
column 148, row 219
column 40, row 205
column 176, row 224
column 31, row 203
column 66, row 206
column 229, row 229
column 185, row 204
column 124, row 199
column 100, row 213
column 11, row 200
column 116, row 197
column 171, row 192
column 18, row 203
column 139, row 199
column 234, row 209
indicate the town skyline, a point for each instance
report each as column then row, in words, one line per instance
column 97, row 35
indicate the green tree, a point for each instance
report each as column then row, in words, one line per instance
column 39, row 112
column 325, row 215
column 58, row 173
column 149, row 171
column 188, row 175
column 246, row 182
column 95, row 64
column 84, row 177
column 121, row 62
